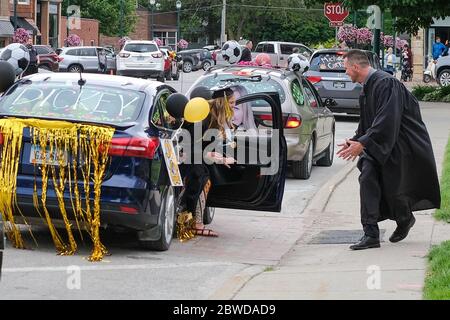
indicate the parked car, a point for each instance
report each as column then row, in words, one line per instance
column 215, row 52
column 280, row 51
column 196, row 59
column 443, row 71
column 48, row 58
column 84, row 59
column 309, row 127
column 136, row 192
column 141, row 59
column 171, row 67
column 327, row 73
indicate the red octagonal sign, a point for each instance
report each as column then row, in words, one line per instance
column 335, row 12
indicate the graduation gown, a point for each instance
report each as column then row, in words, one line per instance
column 396, row 139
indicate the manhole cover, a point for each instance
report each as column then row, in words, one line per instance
column 341, row 236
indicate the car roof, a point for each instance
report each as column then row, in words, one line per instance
column 98, row 79
column 250, row 71
column 141, row 41
column 282, row 42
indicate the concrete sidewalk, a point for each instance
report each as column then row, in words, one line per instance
column 331, row 271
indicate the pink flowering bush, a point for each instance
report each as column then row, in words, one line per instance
column 182, row 44
column 21, row 36
column 364, row 36
column 158, row 41
column 72, row 40
column 347, row 33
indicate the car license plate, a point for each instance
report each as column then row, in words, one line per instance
column 339, row 85
column 140, row 58
column 37, row 156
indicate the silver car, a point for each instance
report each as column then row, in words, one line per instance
column 309, row 126
column 443, row 71
column 84, row 59
column 327, row 73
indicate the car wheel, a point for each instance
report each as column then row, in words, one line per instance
column 328, row 157
column 75, row 68
column 161, row 78
column 167, row 223
column 187, row 66
column 208, row 215
column 206, row 65
column 444, row 78
column 302, row 169
column 426, row 78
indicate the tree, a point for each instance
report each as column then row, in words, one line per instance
column 108, row 12
column 411, row 14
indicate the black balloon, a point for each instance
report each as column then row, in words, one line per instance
column 176, row 103
column 7, row 76
column 201, row 92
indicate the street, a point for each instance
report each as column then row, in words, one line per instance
column 192, row 270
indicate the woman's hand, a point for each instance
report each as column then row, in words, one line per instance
column 219, row 159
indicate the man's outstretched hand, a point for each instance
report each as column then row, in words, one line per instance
column 350, row 150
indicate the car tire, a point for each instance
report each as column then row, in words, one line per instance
column 75, row 68
column 167, row 223
column 328, row 157
column 206, row 65
column 302, row 169
column 187, row 67
column 444, row 78
column 208, row 215
column 161, row 78
column 426, row 78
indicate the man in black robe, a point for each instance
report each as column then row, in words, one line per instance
column 398, row 170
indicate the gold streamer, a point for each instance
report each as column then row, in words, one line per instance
column 86, row 142
column 185, row 226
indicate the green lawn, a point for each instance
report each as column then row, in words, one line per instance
column 437, row 282
column 444, row 213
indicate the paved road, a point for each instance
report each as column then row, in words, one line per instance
column 193, row 270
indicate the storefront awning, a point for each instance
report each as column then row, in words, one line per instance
column 27, row 24
column 6, row 29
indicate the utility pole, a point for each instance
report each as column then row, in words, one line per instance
column 121, row 17
column 224, row 19
column 15, row 15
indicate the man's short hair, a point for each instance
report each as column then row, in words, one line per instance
column 296, row 50
column 358, row 57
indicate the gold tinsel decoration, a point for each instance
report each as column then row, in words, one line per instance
column 70, row 142
column 185, row 226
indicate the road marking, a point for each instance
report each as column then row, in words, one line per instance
column 118, row 267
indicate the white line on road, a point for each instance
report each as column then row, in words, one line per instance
column 117, row 267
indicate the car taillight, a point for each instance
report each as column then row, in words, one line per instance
column 124, row 55
column 157, row 55
column 314, row 79
column 293, row 122
column 129, row 210
column 134, row 147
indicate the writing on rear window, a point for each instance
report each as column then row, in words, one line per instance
column 62, row 101
column 328, row 62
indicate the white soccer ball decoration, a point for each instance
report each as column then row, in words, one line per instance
column 18, row 56
column 298, row 62
column 232, row 51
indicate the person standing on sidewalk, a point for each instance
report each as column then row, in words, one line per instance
column 247, row 52
column 396, row 160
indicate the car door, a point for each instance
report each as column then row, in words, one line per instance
column 316, row 105
column 89, row 59
column 256, row 181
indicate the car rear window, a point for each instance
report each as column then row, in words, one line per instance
column 329, row 61
column 67, row 101
column 264, row 84
column 141, row 47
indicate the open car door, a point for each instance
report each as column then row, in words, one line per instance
column 256, row 181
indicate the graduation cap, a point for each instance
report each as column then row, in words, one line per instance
column 221, row 90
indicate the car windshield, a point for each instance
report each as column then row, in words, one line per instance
column 253, row 85
column 140, row 47
column 67, row 101
column 328, row 61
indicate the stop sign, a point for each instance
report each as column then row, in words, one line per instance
column 335, row 12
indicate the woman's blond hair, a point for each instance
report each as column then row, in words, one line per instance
column 221, row 114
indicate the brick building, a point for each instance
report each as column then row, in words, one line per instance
column 162, row 26
column 88, row 31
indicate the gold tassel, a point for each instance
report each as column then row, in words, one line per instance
column 185, row 226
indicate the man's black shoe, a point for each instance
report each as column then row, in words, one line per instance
column 366, row 242
column 401, row 233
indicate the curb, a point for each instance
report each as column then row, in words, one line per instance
column 316, row 205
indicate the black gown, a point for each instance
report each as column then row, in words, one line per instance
column 396, row 141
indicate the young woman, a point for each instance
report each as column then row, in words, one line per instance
column 197, row 176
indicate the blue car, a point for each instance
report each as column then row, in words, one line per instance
column 136, row 192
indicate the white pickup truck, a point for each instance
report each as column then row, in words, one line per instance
column 280, row 51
